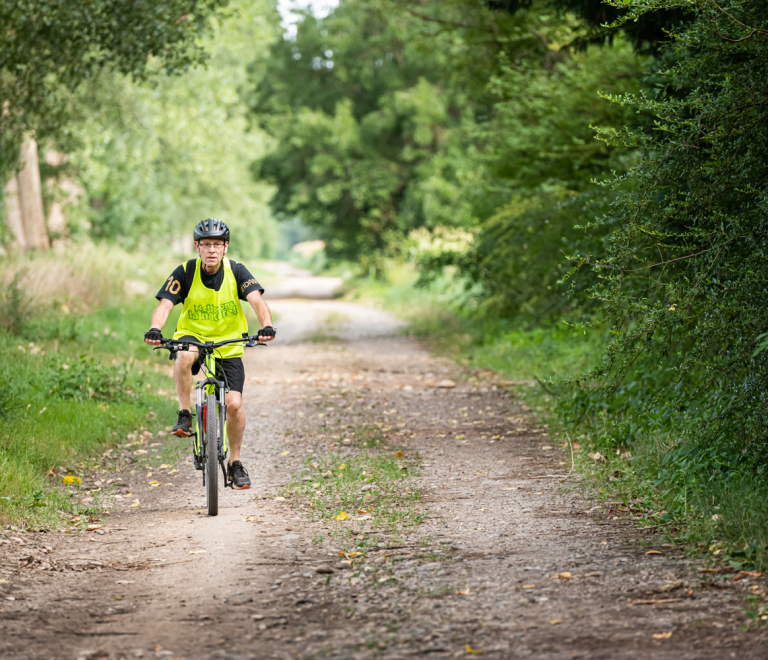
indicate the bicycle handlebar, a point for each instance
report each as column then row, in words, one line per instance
column 175, row 345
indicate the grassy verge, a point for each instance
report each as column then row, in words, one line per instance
column 62, row 404
column 659, row 482
column 362, row 492
column 76, row 379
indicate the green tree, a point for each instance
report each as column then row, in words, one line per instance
column 49, row 48
column 155, row 158
column 685, row 275
column 359, row 115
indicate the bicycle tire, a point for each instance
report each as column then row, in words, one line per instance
column 212, row 455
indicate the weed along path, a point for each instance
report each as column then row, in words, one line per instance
column 399, row 510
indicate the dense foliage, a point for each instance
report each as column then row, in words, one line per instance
column 684, row 277
column 49, row 48
column 155, row 159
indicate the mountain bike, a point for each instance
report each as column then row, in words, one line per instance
column 209, row 438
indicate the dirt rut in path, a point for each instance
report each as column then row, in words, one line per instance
column 508, row 561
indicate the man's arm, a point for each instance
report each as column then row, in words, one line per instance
column 261, row 309
column 159, row 317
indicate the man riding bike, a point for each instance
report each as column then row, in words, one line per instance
column 211, row 288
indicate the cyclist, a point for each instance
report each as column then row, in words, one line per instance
column 211, row 288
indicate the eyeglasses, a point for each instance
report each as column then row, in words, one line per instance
column 211, row 246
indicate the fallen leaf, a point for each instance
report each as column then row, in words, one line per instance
column 563, row 576
column 447, row 383
column 152, row 483
column 528, row 586
column 163, row 467
column 343, row 466
column 197, row 552
column 138, row 452
column 460, row 437
column 665, row 635
column 69, row 479
column 342, row 516
column 251, row 519
column 285, row 453
column 93, row 528
column 654, row 552
column 556, row 621
column 462, row 593
column 118, row 597
column 124, row 582
column 135, row 503
column 473, row 651
column 399, row 454
column 481, row 473
column 173, row 472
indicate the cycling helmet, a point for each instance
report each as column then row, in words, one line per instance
column 211, row 228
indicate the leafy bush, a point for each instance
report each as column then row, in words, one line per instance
column 83, row 377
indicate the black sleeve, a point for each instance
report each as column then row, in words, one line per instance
column 245, row 281
column 175, row 288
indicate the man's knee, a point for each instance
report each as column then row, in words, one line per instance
column 185, row 359
column 234, row 402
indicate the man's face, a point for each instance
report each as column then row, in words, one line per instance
column 212, row 251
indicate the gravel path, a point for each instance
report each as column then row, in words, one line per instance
column 510, row 560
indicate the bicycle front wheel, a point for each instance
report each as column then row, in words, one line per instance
column 212, row 455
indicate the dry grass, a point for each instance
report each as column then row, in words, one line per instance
column 86, row 277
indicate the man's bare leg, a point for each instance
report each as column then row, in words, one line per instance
column 182, row 375
column 235, row 424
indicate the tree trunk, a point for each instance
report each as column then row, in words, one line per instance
column 31, row 197
column 13, row 217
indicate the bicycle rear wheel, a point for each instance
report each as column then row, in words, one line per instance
column 212, row 455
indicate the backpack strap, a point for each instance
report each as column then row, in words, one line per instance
column 189, row 273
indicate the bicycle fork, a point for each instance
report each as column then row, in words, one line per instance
column 199, row 448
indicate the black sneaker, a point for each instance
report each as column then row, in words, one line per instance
column 183, row 427
column 239, row 476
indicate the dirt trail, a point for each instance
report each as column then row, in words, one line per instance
column 166, row 581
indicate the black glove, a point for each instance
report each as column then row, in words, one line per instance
column 267, row 331
column 153, row 334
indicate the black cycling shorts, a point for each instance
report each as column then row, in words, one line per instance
column 230, row 370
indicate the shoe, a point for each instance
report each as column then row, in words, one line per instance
column 183, row 427
column 239, row 476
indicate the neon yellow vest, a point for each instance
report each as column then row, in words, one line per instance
column 210, row 315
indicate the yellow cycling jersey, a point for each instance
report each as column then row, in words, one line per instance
column 210, row 315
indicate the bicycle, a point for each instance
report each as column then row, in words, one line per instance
column 209, row 443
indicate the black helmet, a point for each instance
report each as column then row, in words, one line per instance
column 211, row 228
